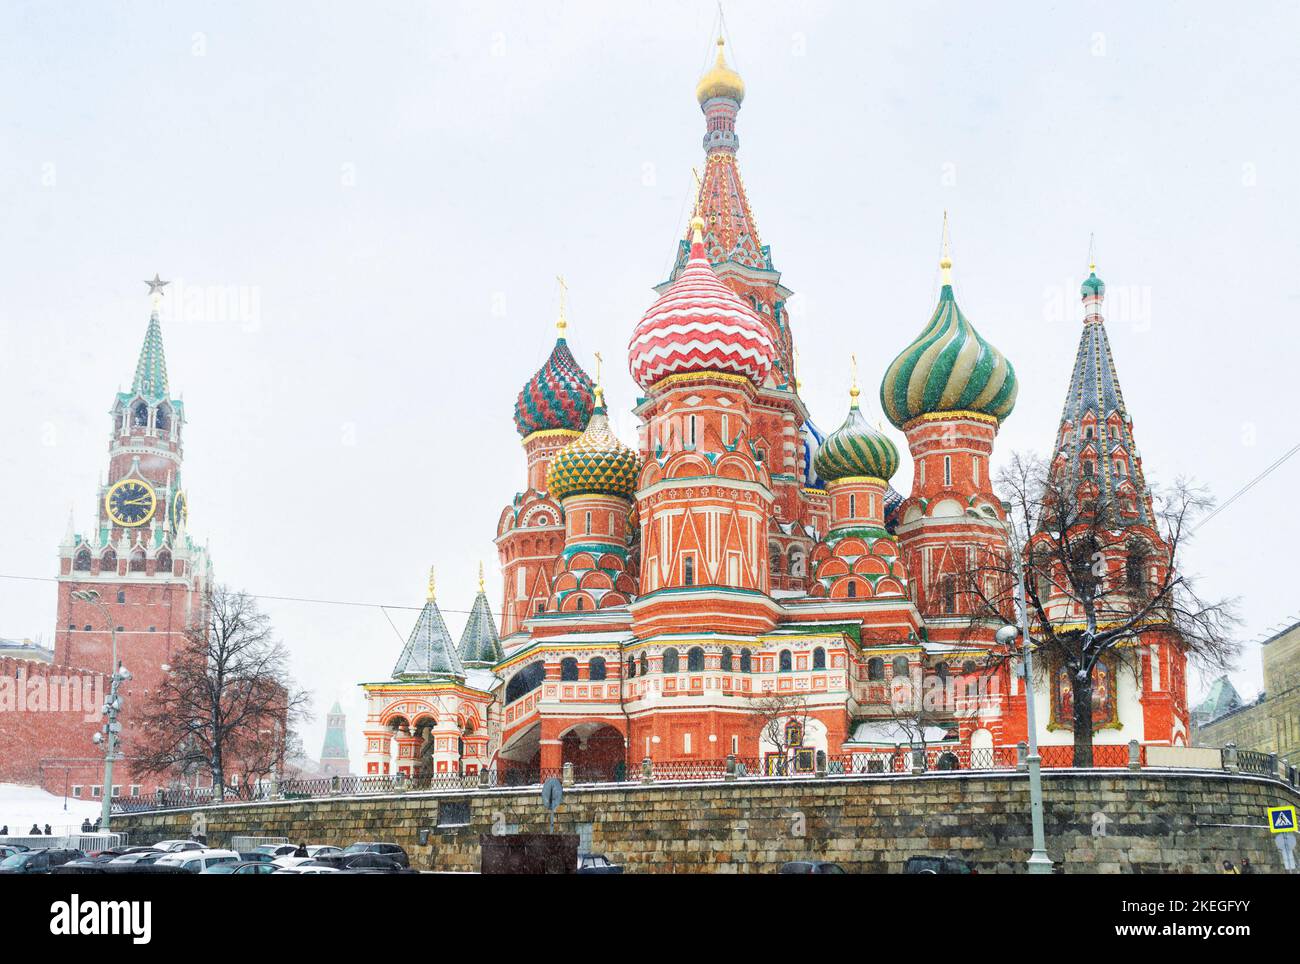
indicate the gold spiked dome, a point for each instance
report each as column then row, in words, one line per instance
column 720, row 81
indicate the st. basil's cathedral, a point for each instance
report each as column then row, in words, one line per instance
column 665, row 601
column 736, row 584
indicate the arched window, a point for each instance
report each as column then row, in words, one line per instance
column 1135, row 563
column 81, row 562
column 108, row 561
column 672, row 663
column 580, row 605
column 165, row 562
column 688, row 570
column 941, row 671
column 140, row 415
column 950, row 594
column 819, row 658
column 786, row 663
column 852, row 592
column 525, row 681
column 900, row 666
column 695, row 659
column 162, row 418
column 968, row 667
column 746, row 661
column 947, row 761
column 796, row 561
column 774, row 557
column 631, row 666
column 645, row 664
column 726, row 659
column 137, row 560
column 875, row 668
column 568, row 669
column 596, row 668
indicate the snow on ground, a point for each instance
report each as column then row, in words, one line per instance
column 21, row 806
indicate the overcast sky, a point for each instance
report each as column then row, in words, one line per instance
column 391, row 189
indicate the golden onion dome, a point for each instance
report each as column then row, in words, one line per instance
column 720, row 81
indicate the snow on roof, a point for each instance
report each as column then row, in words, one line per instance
column 893, row 733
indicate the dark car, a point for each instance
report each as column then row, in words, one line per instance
column 243, row 867
column 362, row 862
column 936, row 865
column 109, row 867
column 597, row 864
column 811, row 867
column 386, row 849
column 40, row 861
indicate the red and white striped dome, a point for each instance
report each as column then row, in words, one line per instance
column 699, row 325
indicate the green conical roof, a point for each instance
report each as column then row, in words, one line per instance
column 948, row 368
column 479, row 643
column 1092, row 285
column 151, row 369
column 855, row 448
column 429, row 650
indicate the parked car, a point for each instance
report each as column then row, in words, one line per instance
column 39, row 861
column 175, row 846
column 197, row 861
column 936, row 865
column 241, row 867
column 597, row 864
column 313, row 851
column 811, row 867
column 253, row 856
column 307, row 869
column 114, row 852
column 364, row 862
column 144, row 858
column 387, row 849
column 277, row 850
column 8, row 850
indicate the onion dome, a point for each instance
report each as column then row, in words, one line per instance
column 699, row 325
column 559, row 396
column 856, row 449
column 948, row 368
column 812, row 442
column 595, row 463
column 720, row 81
column 1092, row 285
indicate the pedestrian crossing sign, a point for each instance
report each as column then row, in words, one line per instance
column 1281, row 819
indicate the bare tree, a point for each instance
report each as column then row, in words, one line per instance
column 1100, row 579
column 774, row 713
column 227, row 704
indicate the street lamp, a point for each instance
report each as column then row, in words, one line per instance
column 1039, row 862
column 112, row 708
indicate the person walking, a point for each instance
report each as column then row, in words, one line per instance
column 1229, row 867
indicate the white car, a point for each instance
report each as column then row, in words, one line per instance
column 313, row 851
column 174, row 846
column 148, row 856
column 197, row 861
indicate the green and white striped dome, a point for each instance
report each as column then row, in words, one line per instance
column 948, row 368
column 856, row 449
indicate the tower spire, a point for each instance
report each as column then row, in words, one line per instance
column 945, row 261
column 562, row 323
column 854, row 390
column 432, row 591
column 151, row 367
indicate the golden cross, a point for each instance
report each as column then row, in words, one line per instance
column 431, row 592
column 598, row 361
column 562, row 323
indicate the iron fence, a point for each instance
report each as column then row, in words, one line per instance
column 899, row 760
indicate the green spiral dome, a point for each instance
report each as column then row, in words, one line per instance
column 855, row 448
column 948, row 368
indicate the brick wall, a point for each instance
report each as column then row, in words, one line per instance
column 1154, row 822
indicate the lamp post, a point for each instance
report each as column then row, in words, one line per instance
column 1039, row 862
column 108, row 734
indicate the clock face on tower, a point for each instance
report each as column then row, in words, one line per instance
column 130, row 503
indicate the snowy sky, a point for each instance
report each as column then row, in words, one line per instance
column 391, row 189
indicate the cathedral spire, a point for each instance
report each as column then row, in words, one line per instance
column 429, row 650
column 1095, row 449
column 151, row 368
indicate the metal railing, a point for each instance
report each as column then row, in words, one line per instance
column 886, row 761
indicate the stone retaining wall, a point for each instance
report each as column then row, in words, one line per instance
column 1097, row 821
